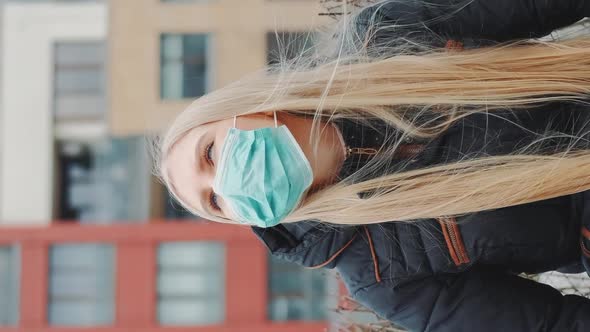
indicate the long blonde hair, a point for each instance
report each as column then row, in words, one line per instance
column 399, row 83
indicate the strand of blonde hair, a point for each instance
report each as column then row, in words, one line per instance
column 447, row 86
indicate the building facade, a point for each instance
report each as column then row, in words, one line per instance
column 163, row 277
column 82, row 83
column 165, row 53
column 42, row 100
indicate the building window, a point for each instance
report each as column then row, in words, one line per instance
column 81, row 285
column 106, row 181
column 79, row 87
column 287, row 45
column 174, row 211
column 191, row 283
column 184, row 65
column 297, row 293
column 9, row 285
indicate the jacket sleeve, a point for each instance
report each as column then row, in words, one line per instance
column 477, row 300
column 497, row 20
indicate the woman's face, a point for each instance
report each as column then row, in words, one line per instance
column 192, row 161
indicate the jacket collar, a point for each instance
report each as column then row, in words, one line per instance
column 306, row 243
column 359, row 135
column 310, row 243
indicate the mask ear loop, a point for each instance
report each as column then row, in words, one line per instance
column 275, row 117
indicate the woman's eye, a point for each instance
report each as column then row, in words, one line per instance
column 213, row 201
column 209, row 152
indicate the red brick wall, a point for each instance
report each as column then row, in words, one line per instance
column 246, row 288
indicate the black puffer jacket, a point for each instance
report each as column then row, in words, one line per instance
column 460, row 275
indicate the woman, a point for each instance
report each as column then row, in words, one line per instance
column 428, row 177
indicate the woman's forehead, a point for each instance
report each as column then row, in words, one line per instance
column 179, row 159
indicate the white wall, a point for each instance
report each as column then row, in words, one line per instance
column 26, row 113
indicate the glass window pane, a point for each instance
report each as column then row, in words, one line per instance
column 88, row 256
column 196, row 282
column 183, row 65
column 191, row 283
column 79, row 53
column 79, row 86
column 191, row 254
column 104, row 181
column 81, row 284
column 285, row 308
column 70, row 106
column 290, row 282
column 81, row 313
column 67, row 285
column 190, row 311
column 172, row 81
column 79, row 80
column 174, row 211
column 297, row 293
column 9, row 285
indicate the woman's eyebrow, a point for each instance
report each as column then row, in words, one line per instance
column 205, row 202
column 197, row 153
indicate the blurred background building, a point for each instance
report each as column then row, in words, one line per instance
column 89, row 239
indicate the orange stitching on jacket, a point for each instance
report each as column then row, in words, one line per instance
column 585, row 251
column 454, row 45
column 375, row 263
column 448, row 241
column 333, row 256
column 463, row 253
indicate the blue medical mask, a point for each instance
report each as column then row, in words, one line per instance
column 262, row 174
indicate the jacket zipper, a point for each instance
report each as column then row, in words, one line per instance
column 454, row 241
column 404, row 150
column 410, row 150
column 365, row 151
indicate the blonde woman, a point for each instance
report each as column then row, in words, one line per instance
column 428, row 176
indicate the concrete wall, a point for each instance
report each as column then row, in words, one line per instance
column 27, row 124
column 238, row 46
